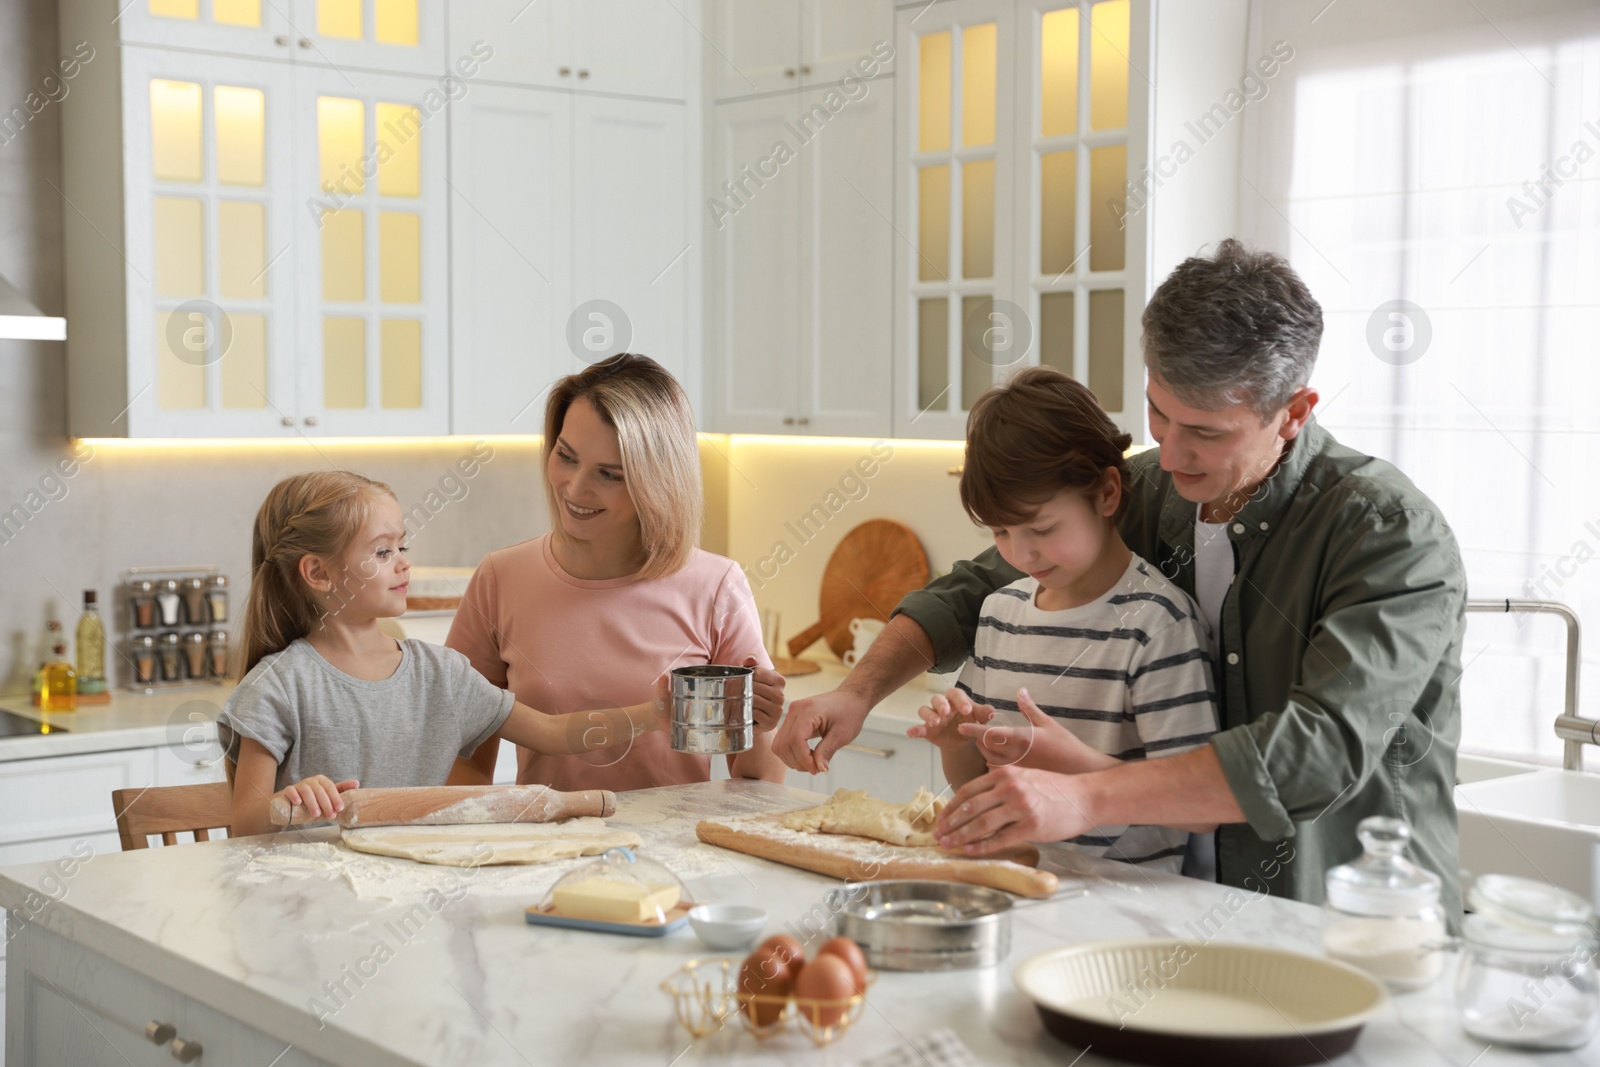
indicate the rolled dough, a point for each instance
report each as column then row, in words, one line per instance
column 487, row 844
column 855, row 811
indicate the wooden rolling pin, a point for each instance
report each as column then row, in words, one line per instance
column 447, row 805
column 813, row 852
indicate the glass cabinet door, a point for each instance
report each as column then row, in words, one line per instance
column 240, row 27
column 957, row 135
column 402, row 36
column 210, row 278
column 372, row 245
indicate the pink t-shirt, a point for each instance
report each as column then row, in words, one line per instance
column 564, row 644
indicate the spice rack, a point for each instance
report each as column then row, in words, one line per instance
column 177, row 625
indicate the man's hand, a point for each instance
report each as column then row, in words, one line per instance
column 1042, row 742
column 946, row 720
column 1010, row 806
column 767, row 702
column 835, row 718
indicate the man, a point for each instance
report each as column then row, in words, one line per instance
column 1333, row 587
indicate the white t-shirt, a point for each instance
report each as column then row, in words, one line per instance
column 1213, row 574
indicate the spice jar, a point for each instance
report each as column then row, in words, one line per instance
column 194, row 601
column 144, row 659
column 194, row 653
column 219, row 653
column 143, row 599
column 171, row 658
column 1527, row 976
column 167, row 600
column 217, row 597
column 1382, row 912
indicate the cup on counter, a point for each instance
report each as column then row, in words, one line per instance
column 712, row 709
column 864, row 631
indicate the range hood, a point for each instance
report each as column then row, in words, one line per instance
column 21, row 321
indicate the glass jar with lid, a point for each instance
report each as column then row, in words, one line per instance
column 1382, row 912
column 1527, row 976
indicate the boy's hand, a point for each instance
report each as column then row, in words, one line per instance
column 767, row 698
column 944, row 716
column 1042, row 742
column 318, row 795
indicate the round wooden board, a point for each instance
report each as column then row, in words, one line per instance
column 795, row 668
column 875, row 565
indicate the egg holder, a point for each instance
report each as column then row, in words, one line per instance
column 706, row 991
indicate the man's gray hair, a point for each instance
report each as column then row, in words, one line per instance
column 1237, row 327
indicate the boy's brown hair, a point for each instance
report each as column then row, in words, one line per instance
column 1027, row 440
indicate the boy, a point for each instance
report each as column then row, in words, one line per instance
column 1105, row 659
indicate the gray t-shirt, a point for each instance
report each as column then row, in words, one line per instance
column 403, row 731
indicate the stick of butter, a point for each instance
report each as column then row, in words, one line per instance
column 610, row 900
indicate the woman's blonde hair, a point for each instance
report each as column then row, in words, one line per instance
column 317, row 514
column 635, row 396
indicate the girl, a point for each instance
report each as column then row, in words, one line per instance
column 618, row 573
column 327, row 700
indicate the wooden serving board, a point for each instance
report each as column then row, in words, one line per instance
column 859, row 859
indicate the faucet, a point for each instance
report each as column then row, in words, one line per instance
column 1574, row 730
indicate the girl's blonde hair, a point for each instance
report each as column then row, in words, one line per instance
column 635, row 396
column 317, row 514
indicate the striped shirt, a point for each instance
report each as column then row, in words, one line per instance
column 1129, row 674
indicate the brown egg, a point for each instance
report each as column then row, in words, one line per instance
column 764, row 972
column 825, row 978
column 851, row 953
column 789, row 950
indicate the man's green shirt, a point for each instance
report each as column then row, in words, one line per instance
column 1337, row 664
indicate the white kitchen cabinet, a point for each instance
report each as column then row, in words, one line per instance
column 889, row 765
column 211, row 193
column 623, row 47
column 1019, row 125
column 801, row 293
column 566, row 210
column 71, row 1005
column 405, row 36
column 765, row 46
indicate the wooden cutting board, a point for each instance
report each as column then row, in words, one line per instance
column 859, row 859
column 875, row 565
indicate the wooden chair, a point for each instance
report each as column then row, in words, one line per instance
column 170, row 811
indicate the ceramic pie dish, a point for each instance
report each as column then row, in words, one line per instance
column 1161, row 1001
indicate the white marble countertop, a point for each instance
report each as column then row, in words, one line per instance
column 131, row 720
column 262, row 928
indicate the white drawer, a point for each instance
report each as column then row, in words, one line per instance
column 890, row 766
column 68, row 795
column 198, row 768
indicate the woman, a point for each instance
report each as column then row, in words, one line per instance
column 616, row 592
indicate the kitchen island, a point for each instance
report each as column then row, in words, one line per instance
column 290, row 950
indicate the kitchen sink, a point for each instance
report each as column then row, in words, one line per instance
column 1542, row 824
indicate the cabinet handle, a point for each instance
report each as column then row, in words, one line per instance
column 159, row 1033
column 305, row 42
column 186, row 1051
column 804, row 69
column 282, row 40
column 564, row 71
column 288, row 420
column 879, row 753
column 803, row 421
column 311, row 420
column 788, row 420
column 583, row 73
column 788, row 72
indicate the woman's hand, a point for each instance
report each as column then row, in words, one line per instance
column 318, row 795
column 1041, row 742
column 766, row 703
column 661, row 703
column 944, row 719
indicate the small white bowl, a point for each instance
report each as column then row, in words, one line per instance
column 727, row 926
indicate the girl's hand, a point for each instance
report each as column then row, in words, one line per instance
column 1042, row 742
column 767, row 699
column 318, row 795
column 943, row 717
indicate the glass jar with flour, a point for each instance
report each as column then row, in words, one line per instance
column 1382, row 912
